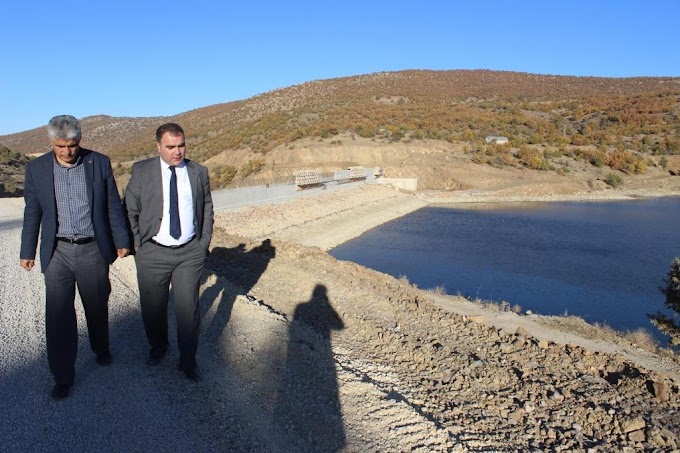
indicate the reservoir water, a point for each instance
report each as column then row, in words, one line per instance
column 602, row 261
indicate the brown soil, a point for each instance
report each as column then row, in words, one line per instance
column 443, row 166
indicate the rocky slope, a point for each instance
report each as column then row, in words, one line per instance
column 383, row 367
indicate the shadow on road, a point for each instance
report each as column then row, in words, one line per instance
column 309, row 389
column 290, row 405
column 235, row 271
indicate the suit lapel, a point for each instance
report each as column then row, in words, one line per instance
column 48, row 181
column 193, row 180
column 156, row 180
column 88, row 162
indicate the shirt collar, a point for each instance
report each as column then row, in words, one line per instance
column 165, row 166
column 79, row 160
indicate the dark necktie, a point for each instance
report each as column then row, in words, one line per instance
column 175, row 228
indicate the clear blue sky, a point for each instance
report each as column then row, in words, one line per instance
column 152, row 58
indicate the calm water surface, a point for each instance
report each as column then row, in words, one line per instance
column 603, row 261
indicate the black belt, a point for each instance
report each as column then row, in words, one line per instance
column 78, row 241
column 171, row 246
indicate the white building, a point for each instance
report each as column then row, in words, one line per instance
column 497, row 139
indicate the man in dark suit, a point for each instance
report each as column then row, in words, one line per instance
column 72, row 197
column 170, row 210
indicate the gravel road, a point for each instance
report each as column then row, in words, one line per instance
column 131, row 407
column 269, row 383
column 124, row 407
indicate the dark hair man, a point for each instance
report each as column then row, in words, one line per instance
column 170, row 210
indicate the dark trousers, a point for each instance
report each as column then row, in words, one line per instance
column 157, row 268
column 72, row 265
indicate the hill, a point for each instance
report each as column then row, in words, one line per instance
column 393, row 119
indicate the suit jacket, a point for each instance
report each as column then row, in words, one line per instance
column 40, row 213
column 144, row 200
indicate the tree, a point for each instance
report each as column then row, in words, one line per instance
column 671, row 290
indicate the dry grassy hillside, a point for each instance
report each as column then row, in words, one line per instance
column 409, row 122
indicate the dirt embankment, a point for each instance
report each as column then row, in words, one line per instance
column 393, row 368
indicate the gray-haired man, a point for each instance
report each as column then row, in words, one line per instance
column 72, row 197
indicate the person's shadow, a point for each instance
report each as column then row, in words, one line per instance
column 308, row 394
column 232, row 271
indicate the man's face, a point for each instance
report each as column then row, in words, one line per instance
column 172, row 148
column 65, row 150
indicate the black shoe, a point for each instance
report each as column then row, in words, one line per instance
column 104, row 358
column 60, row 391
column 190, row 373
column 155, row 356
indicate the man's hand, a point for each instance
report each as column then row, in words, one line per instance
column 122, row 253
column 27, row 264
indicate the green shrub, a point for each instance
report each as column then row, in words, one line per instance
column 222, row 175
column 596, row 161
column 10, row 187
column 613, row 180
column 250, row 167
column 328, row 132
column 532, row 158
column 397, row 135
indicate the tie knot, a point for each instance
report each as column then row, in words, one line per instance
column 172, row 168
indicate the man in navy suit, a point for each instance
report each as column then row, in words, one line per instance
column 170, row 209
column 72, row 197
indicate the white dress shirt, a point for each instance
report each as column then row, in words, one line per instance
column 186, row 206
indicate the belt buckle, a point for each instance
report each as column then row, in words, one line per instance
column 76, row 241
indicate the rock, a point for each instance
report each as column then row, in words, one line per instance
column 516, row 416
column 658, row 441
column 521, row 331
column 637, row 436
column 555, row 396
column 661, row 391
column 506, row 348
column 633, row 425
column 594, row 380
